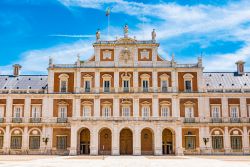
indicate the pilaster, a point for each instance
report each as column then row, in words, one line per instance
column 115, row 140
column 27, row 109
column 97, row 106
column 155, row 106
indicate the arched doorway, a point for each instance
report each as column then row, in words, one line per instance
column 105, row 141
column 85, row 141
column 146, row 142
column 126, row 142
column 167, row 142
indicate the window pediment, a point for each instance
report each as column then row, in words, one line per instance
column 145, row 103
column 165, row 103
column 126, row 76
column 106, row 76
column 87, row 103
column 144, row 76
column 63, row 76
column 107, row 54
column 144, row 54
column 106, row 103
column 126, row 102
column 188, row 103
column 164, row 76
column 62, row 103
column 188, row 76
column 87, row 76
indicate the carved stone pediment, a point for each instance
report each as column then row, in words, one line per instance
column 126, row 55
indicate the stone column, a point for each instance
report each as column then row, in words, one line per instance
column 178, row 138
column 115, row 140
column 243, row 107
column 158, row 140
column 136, row 106
column 45, row 108
column 174, row 81
column 78, row 80
column 225, row 107
column 206, row 108
column 49, row 134
column 175, row 107
column 155, row 106
column 137, row 140
column 116, row 108
column 245, row 139
column 77, row 108
column 7, row 136
column 135, row 80
column 155, row 81
column 51, row 108
column 8, row 109
column 50, row 81
column 116, row 80
column 73, row 140
column 226, row 141
column 97, row 107
column 97, row 81
column 27, row 109
column 25, row 140
column 94, row 140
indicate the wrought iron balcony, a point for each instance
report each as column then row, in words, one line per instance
column 87, row 90
column 17, row 120
column 35, row 120
column 235, row 120
column 189, row 120
column 216, row 120
column 62, row 120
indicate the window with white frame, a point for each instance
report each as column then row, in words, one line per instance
column 106, row 111
column 61, row 142
column 18, row 111
column 145, row 111
column 125, row 111
column 62, row 111
column 126, row 81
column 145, row 85
column 36, row 111
column 188, row 82
column 164, row 82
column 190, row 141
column 1, row 111
column 145, row 82
column 165, row 111
column 125, row 85
column 234, row 111
column 106, row 82
column 189, row 111
column 215, row 111
column 86, row 111
column 63, row 82
column 87, row 85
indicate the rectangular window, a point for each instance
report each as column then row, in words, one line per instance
column 36, row 110
column 216, row 111
column 188, row 86
column 145, row 85
column 236, row 142
column 86, row 111
column 107, row 111
column 87, row 86
column 165, row 111
column 1, row 142
column 190, row 142
column 17, row 111
column 1, row 111
column 16, row 142
column 145, row 112
column 234, row 111
column 63, row 86
column 189, row 112
column 106, row 86
column 217, row 142
column 125, row 111
column 62, row 112
column 34, row 142
column 164, row 86
column 125, row 85
column 61, row 142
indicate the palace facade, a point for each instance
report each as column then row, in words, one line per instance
column 126, row 99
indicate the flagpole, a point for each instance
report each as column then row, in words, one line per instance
column 108, row 26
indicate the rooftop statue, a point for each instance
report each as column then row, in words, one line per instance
column 98, row 35
column 125, row 30
column 153, row 35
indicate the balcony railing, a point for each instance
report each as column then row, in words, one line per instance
column 62, row 120
column 189, row 120
column 17, row 120
column 216, row 120
column 35, row 120
column 235, row 120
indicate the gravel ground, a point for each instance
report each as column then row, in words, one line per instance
column 124, row 161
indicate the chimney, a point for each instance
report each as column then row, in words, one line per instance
column 240, row 67
column 16, row 70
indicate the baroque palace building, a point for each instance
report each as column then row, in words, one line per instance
column 125, row 99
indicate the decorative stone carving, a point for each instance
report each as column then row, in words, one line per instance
column 126, row 55
column 144, row 54
column 153, row 34
column 125, row 30
column 98, row 35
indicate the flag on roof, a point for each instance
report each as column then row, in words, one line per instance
column 108, row 11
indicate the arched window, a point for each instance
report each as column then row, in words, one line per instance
column 164, row 82
column 63, row 83
column 145, row 82
column 87, row 82
column 34, row 140
column 236, row 140
column 188, row 82
column 126, row 81
column 16, row 139
column 106, row 82
column 217, row 140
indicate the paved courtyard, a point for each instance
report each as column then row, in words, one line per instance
column 124, row 161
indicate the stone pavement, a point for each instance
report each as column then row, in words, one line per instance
column 124, row 161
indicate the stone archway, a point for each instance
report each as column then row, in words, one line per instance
column 105, row 141
column 167, row 142
column 147, row 142
column 126, row 142
column 84, row 141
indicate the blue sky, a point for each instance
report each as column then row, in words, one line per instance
column 33, row 30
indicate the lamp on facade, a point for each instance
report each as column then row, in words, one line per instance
column 45, row 140
column 206, row 140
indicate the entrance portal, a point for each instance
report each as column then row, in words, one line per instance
column 85, row 141
column 126, row 142
column 105, row 141
column 167, row 142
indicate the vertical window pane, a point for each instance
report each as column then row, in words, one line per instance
column 34, row 142
column 217, row 142
column 16, row 142
column 62, row 142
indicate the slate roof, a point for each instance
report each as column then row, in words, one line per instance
column 37, row 82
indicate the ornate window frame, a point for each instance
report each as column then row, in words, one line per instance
column 164, row 77
column 87, row 105
column 107, row 77
column 145, row 77
column 126, row 104
column 188, row 77
column 145, row 107
column 63, row 78
column 89, row 78
column 165, row 104
column 213, row 106
column 237, row 106
column 189, row 105
column 62, row 104
column 126, row 77
column 106, row 109
column 39, row 107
